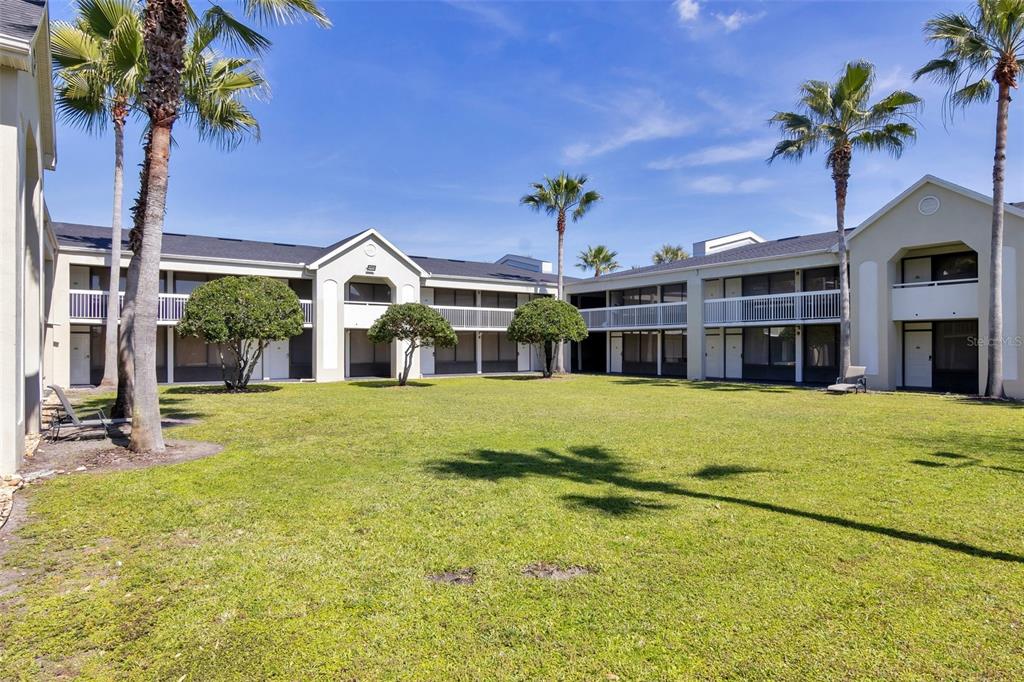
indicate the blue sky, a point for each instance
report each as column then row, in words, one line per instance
column 428, row 120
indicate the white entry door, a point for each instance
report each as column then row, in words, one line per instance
column 733, row 356
column 80, row 358
column 615, row 367
column 917, row 356
column 713, row 368
column 275, row 360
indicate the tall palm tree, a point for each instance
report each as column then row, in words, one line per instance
column 838, row 117
column 669, row 253
column 165, row 28
column 561, row 197
column 99, row 67
column 978, row 50
column 598, row 258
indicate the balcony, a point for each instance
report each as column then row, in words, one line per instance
column 947, row 300
column 484, row 319
column 794, row 308
column 90, row 307
column 362, row 315
column 648, row 316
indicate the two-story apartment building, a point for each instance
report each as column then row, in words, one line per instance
column 742, row 308
column 343, row 289
column 745, row 308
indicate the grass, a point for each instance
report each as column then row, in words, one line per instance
column 734, row 531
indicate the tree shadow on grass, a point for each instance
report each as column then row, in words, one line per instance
column 614, row 505
column 594, row 464
column 170, row 408
column 960, row 462
column 218, row 389
column 390, row 383
column 713, row 472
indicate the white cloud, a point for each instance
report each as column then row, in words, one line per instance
column 686, row 10
column 491, row 14
column 722, row 184
column 894, row 79
column 737, row 20
column 742, row 151
column 646, row 118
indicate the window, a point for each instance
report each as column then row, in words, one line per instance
column 955, row 266
column 367, row 292
column 639, row 352
column 186, row 282
column 458, row 360
column 638, row 296
column 464, row 298
column 821, row 346
column 499, row 299
column 498, row 353
column 99, row 278
column 772, row 283
column 673, row 293
column 303, row 288
column 673, row 351
column 769, row 346
column 191, row 351
column 821, row 279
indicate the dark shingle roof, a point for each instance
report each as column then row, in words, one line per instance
column 789, row 246
column 468, row 268
column 174, row 244
column 20, row 18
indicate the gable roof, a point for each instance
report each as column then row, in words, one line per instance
column 20, row 19
column 196, row 246
column 482, row 270
column 1012, row 209
column 337, row 247
column 95, row 237
column 776, row 248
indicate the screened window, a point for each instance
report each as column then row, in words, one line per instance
column 673, row 293
column 638, row 296
column 367, row 292
column 191, row 351
column 821, row 279
column 955, row 266
column 187, row 282
column 771, row 283
column 463, row 352
column 953, row 347
column 821, row 344
column 463, row 298
column 499, row 299
column 769, row 346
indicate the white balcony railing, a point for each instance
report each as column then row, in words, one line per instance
column 476, row 318
column 941, row 300
column 91, row 306
column 802, row 306
column 651, row 315
column 362, row 315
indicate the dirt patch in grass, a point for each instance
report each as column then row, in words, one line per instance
column 101, row 455
column 459, row 576
column 546, row 571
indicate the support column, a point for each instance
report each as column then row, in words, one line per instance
column 479, row 352
column 799, row 353
column 660, row 341
column 170, row 355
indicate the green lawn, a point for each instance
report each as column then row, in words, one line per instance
column 734, row 530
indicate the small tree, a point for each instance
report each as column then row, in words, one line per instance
column 416, row 324
column 242, row 315
column 547, row 322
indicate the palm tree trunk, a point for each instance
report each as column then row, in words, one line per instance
column 559, row 361
column 165, row 28
column 841, row 177
column 994, row 378
column 110, row 341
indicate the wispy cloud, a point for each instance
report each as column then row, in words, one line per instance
column 492, row 14
column 741, row 151
column 686, row 10
column 737, row 20
column 723, row 184
column 735, row 116
column 645, row 117
column 894, row 79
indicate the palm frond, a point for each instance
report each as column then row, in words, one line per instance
column 217, row 24
column 891, row 138
column 270, row 12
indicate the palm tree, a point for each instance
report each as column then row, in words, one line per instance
column 838, row 117
column 978, row 49
column 599, row 259
column 165, row 28
column 669, row 253
column 99, row 68
column 561, row 196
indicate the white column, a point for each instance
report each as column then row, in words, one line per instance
column 170, row 354
column 800, row 353
column 607, row 352
column 479, row 351
column 660, row 333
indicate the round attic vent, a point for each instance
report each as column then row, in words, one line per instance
column 370, row 249
column 928, row 205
